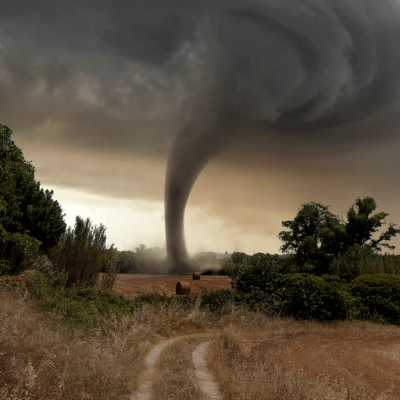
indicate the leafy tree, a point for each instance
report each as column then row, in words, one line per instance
column 316, row 235
column 238, row 257
column 128, row 262
column 312, row 235
column 25, row 207
column 362, row 225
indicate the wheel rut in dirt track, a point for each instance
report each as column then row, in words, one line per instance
column 205, row 379
column 144, row 391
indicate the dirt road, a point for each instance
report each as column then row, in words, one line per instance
column 132, row 285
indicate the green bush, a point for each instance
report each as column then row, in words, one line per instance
column 17, row 249
column 378, row 297
column 128, row 263
column 255, row 274
column 82, row 253
column 360, row 260
column 4, row 267
column 218, row 300
column 301, row 296
column 312, row 297
column 84, row 308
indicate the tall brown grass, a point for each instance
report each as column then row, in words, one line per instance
column 248, row 371
column 40, row 359
column 253, row 356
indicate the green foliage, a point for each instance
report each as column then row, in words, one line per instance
column 24, row 206
column 287, row 265
column 238, row 257
column 360, row 260
column 298, row 295
column 378, row 297
column 16, row 249
column 218, row 301
column 361, row 226
column 128, row 263
column 84, row 308
column 316, row 236
column 82, row 253
column 255, row 274
column 311, row 236
column 307, row 296
column 4, row 267
column 56, row 279
column 110, row 272
column 227, row 266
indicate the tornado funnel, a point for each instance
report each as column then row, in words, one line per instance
column 283, row 65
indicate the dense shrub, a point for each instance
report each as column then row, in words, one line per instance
column 85, row 307
column 359, row 261
column 82, row 253
column 16, row 250
column 378, row 297
column 255, row 274
column 312, row 297
column 128, row 263
column 302, row 296
column 220, row 300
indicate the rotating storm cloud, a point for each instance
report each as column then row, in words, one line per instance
column 279, row 65
column 201, row 75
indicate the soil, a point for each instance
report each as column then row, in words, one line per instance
column 132, row 285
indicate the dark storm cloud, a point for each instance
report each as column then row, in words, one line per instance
column 128, row 75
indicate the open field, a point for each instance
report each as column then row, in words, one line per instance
column 305, row 360
column 132, row 285
column 188, row 353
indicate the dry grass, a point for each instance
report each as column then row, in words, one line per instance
column 175, row 375
column 39, row 359
column 299, row 360
column 253, row 356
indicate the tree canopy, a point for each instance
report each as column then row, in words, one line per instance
column 25, row 208
column 316, row 235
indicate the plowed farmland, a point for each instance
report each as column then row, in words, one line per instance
column 132, row 285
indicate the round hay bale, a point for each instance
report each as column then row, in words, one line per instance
column 182, row 288
column 196, row 275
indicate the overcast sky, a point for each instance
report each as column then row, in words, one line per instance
column 96, row 91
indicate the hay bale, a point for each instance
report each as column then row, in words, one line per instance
column 182, row 288
column 196, row 275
